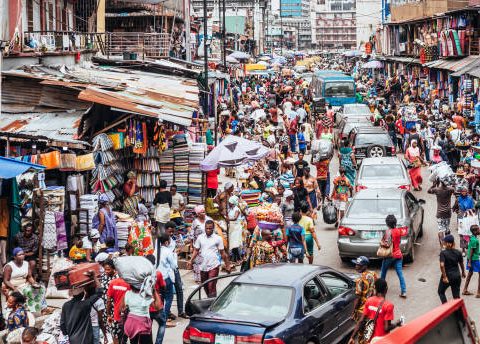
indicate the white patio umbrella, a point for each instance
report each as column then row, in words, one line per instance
column 265, row 63
column 233, row 151
column 239, row 55
column 231, row 59
column 373, row 65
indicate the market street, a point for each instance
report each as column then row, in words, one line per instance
column 421, row 277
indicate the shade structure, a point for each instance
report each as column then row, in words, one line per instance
column 239, row 55
column 373, row 65
column 10, row 168
column 265, row 63
column 231, row 59
column 279, row 59
column 265, row 58
column 233, row 151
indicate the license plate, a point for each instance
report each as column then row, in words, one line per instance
column 371, row 234
column 224, row 339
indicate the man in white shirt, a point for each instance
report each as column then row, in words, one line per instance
column 209, row 246
column 178, row 206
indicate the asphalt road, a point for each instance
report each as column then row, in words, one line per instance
column 421, row 277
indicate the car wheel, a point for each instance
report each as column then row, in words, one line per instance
column 410, row 257
column 376, row 151
column 311, row 342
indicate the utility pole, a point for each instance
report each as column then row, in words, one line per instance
column 205, row 57
column 224, row 36
column 188, row 45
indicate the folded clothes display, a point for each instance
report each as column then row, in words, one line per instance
column 195, row 176
column 90, row 204
column 251, row 197
column 181, row 155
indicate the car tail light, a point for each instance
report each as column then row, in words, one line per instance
column 403, row 231
column 257, row 338
column 393, row 151
column 360, row 187
column 273, row 341
column 405, row 187
column 191, row 334
column 345, row 231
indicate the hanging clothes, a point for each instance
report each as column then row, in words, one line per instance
column 49, row 241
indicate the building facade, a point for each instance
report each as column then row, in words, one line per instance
column 368, row 19
column 295, row 19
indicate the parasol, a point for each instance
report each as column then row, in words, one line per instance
column 373, row 65
column 239, row 55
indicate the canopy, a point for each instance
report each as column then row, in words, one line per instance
column 373, row 65
column 10, row 168
column 239, row 55
column 231, row 59
column 233, row 151
column 254, row 66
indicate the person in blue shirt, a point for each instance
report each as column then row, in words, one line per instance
column 297, row 246
column 464, row 206
column 302, row 143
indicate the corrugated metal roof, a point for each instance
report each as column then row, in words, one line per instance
column 59, row 126
column 470, row 68
column 451, row 65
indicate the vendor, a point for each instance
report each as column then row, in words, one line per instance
column 28, row 242
column 131, row 197
column 178, row 206
column 91, row 243
column 105, row 220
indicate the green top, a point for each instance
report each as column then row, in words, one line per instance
column 473, row 245
column 209, row 137
column 137, row 305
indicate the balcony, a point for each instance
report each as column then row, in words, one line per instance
column 145, row 45
column 424, row 9
column 57, row 42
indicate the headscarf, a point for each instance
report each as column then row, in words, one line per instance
column 228, row 185
column 414, row 151
column 233, row 200
column 17, row 250
column 199, row 209
column 131, row 174
column 103, row 198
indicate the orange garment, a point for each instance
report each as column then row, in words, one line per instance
column 4, row 217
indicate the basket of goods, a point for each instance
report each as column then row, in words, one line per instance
column 269, row 216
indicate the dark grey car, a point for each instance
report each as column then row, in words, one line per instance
column 360, row 231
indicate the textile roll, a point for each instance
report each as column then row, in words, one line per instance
column 50, row 160
column 68, row 162
column 85, row 162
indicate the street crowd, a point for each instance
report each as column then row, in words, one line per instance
column 292, row 187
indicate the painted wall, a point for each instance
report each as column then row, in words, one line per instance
column 369, row 16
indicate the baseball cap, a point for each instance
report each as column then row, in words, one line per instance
column 449, row 238
column 362, row 260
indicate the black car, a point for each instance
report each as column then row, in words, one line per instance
column 275, row 304
column 373, row 142
column 346, row 125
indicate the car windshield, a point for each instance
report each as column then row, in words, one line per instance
column 356, row 110
column 379, row 172
column 374, row 208
column 339, row 89
column 381, row 139
column 252, row 302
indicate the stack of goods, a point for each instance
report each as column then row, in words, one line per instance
column 90, row 204
column 107, row 176
column 195, row 182
column 180, row 153
column 124, row 223
column 467, row 90
column 75, row 276
column 269, row 216
column 148, row 174
column 443, row 172
column 251, row 197
column 166, row 166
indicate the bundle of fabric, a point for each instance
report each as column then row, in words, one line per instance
column 137, row 271
column 124, row 223
column 140, row 237
column 251, row 197
column 443, row 172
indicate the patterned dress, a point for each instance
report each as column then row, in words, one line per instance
column 105, row 280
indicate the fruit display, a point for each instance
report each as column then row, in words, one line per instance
column 268, row 213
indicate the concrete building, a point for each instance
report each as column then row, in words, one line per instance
column 335, row 24
column 369, row 17
column 295, row 18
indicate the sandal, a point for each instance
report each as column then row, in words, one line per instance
column 466, row 292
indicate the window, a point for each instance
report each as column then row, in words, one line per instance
column 313, row 296
column 335, row 284
column 374, row 208
column 339, row 89
column 411, row 201
column 30, row 15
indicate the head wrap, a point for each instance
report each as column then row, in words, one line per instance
column 228, row 185
column 94, row 234
column 103, row 198
column 101, row 257
column 17, row 250
column 288, row 193
column 233, row 200
column 199, row 209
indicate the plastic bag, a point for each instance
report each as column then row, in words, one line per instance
column 465, row 223
column 136, row 271
column 323, row 150
column 329, row 213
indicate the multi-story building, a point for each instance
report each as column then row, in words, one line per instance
column 295, row 18
column 335, row 24
column 369, row 18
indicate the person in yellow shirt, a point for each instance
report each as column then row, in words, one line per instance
column 77, row 253
column 310, row 236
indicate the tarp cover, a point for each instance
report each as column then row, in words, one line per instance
column 10, row 168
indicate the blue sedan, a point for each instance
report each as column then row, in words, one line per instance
column 275, row 304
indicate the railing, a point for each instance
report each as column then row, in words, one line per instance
column 55, row 41
column 144, row 45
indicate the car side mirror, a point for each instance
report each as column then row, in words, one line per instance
column 421, row 201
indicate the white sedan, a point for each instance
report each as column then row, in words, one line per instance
column 385, row 172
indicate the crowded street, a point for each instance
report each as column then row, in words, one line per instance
column 289, row 172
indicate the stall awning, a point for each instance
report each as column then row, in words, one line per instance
column 451, row 65
column 10, row 168
column 56, row 127
column 402, row 59
column 472, row 67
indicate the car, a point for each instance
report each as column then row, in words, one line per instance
column 363, row 226
column 372, row 142
column 345, row 127
column 384, row 172
column 353, row 111
column 275, row 304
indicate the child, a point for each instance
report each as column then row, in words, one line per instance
column 77, row 253
column 297, row 246
column 473, row 262
column 302, row 144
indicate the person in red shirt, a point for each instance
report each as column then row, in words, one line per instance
column 379, row 309
column 115, row 293
column 212, row 183
column 393, row 236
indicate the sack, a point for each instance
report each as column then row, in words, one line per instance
column 50, row 160
column 329, row 213
column 162, row 213
column 369, row 327
column 68, row 162
column 84, row 162
column 134, row 269
column 465, row 223
column 323, row 150
column 385, row 249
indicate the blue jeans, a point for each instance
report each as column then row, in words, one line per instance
column 293, row 142
column 397, row 263
column 96, row 334
column 161, row 319
column 167, row 295
column 179, row 291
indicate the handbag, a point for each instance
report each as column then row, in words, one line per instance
column 369, row 328
column 385, row 249
column 50, row 160
column 85, row 162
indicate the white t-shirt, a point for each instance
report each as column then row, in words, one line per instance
column 97, row 307
column 209, row 249
column 177, row 200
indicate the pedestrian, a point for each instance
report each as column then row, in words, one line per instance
column 323, row 178
column 297, row 246
column 364, row 285
column 178, row 206
column 342, row 190
column 27, row 240
column 75, row 321
column 212, row 182
column 163, row 203
column 473, row 260
column 378, row 309
column 105, row 220
column 393, row 235
column 415, row 159
column 115, row 293
column 197, row 228
column 97, row 316
column 311, row 185
column 451, row 261
column 209, row 246
column 287, row 206
column 300, row 165
column 348, row 161
column 263, row 249
column 300, row 194
column 310, row 234
column 302, row 143
column 464, row 207
column 443, row 194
